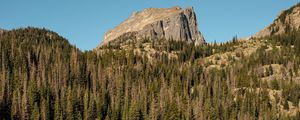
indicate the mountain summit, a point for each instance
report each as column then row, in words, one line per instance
column 287, row 20
column 159, row 23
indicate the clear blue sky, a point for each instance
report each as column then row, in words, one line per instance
column 84, row 22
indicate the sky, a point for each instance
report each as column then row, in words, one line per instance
column 84, row 22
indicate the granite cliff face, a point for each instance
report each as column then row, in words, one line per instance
column 287, row 20
column 159, row 23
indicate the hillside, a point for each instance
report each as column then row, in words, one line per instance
column 42, row 76
column 286, row 21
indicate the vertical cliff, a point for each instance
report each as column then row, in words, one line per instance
column 159, row 23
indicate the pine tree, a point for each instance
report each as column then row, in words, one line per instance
column 154, row 111
column 135, row 113
column 26, row 107
column 69, row 106
column 45, row 108
column 36, row 112
column 86, row 105
column 172, row 112
column 57, row 109
column 15, row 109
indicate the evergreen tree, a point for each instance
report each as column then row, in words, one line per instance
column 171, row 112
column 36, row 112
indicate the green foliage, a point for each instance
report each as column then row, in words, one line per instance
column 171, row 112
column 44, row 77
column 35, row 112
column 275, row 84
column 135, row 113
column 292, row 93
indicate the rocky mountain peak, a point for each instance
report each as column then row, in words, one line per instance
column 287, row 20
column 159, row 23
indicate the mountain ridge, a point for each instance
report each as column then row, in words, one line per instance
column 288, row 19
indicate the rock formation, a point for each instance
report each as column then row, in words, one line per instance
column 287, row 20
column 1, row 31
column 159, row 23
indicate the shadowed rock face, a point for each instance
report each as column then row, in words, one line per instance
column 159, row 23
column 287, row 20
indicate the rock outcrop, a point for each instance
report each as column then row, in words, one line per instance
column 159, row 23
column 1, row 31
column 287, row 20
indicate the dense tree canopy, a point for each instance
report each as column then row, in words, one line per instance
column 42, row 76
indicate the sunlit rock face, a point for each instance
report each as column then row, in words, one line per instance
column 159, row 23
column 287, row 20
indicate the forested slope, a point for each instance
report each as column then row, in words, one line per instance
column 44, row 77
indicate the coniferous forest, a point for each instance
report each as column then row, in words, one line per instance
column 44, row 77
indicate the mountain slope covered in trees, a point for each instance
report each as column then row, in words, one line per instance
column 44, row 77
